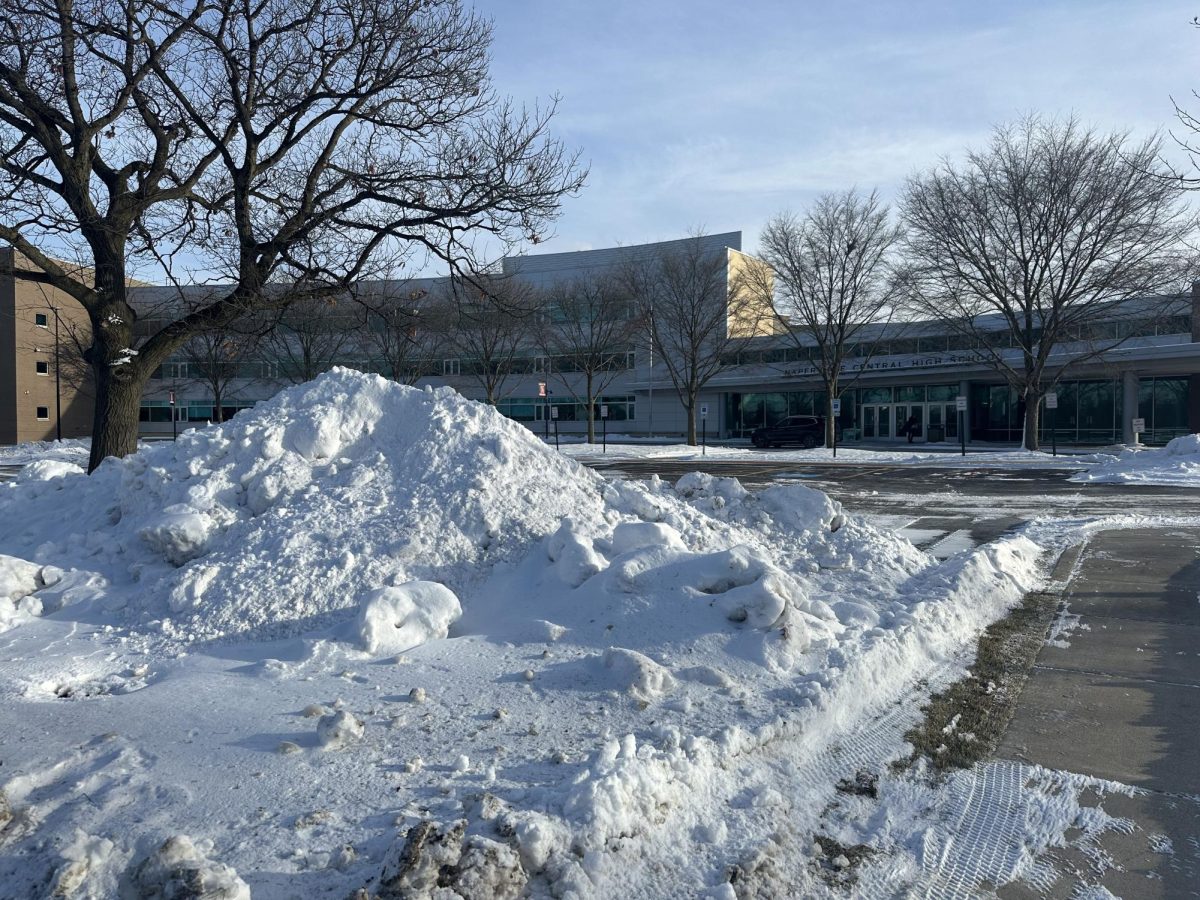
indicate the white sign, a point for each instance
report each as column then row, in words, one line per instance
column 554, row 412
column 704, row 410
column 1139, row 425
column 604, row 412
column 541, row 389
column 1051, row 400
column 961, row 403
column 837, row 407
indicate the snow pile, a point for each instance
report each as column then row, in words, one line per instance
column 264, row 526
column 71, row 450
column 1178, row 463
column 181, row 869
column 19, row 580
column 395, row 619
column 336, row 494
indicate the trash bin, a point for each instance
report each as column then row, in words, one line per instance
column 936, row 434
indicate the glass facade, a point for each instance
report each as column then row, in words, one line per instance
column 533, row 409
column 745, row 412
column 1089, row 412
column 1163, row 403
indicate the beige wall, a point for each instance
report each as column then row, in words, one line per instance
column 23, row 343
column 751, row 310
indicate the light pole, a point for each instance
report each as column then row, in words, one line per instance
column 650, row 374
column 57, row 378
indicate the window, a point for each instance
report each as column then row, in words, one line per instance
column 43, row 413
column 43, row 367
column 450, row 367
column 155, row 411
column 41, row 320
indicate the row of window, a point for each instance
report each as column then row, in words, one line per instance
column 621, row 360
column 540, row 409
column 1089, row 412
column 949, row 343
column 194, row 411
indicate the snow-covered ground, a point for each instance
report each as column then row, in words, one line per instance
column 1177, row 464
column 847, row 455
column 72, row 450
column 368, row 636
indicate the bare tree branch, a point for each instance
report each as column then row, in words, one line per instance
column 1046, row 228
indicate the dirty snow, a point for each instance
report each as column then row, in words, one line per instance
column 369, row 636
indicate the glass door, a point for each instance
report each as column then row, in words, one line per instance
column 868, row 413
column 951, row 412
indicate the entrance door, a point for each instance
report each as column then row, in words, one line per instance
column 868, row 414
column 910, row 419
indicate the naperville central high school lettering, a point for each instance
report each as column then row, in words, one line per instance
column 902, row 362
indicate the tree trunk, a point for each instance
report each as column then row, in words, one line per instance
column 115, row 420
column 591, row 411
column 830, row 423
column 1030, row 439
column 691, row 421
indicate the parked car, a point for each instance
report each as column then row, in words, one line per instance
column 807, row 431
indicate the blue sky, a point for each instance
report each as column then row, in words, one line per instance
column 717, row 115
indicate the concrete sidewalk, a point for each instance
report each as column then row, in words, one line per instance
column 1118, row 698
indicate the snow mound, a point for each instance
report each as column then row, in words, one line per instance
column 637, row 674
column 339, row 730
column 46, row 470
column 265, row 526
column 355, row 503
column 19, row 581
column 394, row 619
column 1178, row 463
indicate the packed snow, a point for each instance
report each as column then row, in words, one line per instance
column 70, row 450
column 366, row 636
column 1177, row 464
column 898, row 454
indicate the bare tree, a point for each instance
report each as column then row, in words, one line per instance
column 280, row 141
column 218, row 359
column 586, row 331
column 831, row 274
column 698, row 302
column 405, row 327
column 490, row 330
column 313, row 334
column 1044, row 229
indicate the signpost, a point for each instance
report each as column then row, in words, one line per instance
column 703, row 429
column 604, row 425
column 960, row 404
column 542, row 392
column 174, row 427
column 1139, row 425
column 1052, row 405
column 836, row 403
column 554, row 416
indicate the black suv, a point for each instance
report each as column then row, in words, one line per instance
column 807, row 431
